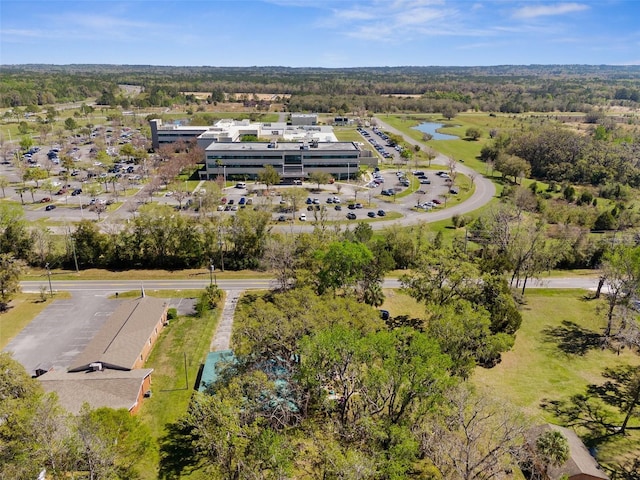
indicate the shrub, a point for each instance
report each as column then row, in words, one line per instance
column 172, row 314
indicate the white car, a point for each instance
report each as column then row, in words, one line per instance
column 303, row 217
column 336, row 200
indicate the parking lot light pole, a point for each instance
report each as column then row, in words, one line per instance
column 49, row 275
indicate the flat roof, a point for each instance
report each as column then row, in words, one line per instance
column 282, row 146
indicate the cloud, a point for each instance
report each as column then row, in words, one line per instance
column 534, row 11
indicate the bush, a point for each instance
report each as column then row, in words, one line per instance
column 209, row 299
column 172, row 314
column 605, row 221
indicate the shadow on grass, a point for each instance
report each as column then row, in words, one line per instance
column 573, row 339
column 177, row 456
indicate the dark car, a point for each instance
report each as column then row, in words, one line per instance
column 338, row 207
column 358, row 205
column 49, row 207
column 371, row 214
column 231, row 201
column 381, row 213
column 352, row 206
column 308, row 201
column 351, row 216
column 282, row 218
column 77, row 191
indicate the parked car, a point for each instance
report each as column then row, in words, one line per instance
column 242, row 201
column 303, row 217
column 77, row 191
column 381, row 213
column 338, row 207
column 351, row 216
column 48, row 208
column 45, row 200
column 371, row 214
column 282, row 218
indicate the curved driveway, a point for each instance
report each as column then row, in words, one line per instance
column 485, row 191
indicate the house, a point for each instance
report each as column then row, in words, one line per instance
column 99, row 388
column 126, row 338
column 579, row 466
column 108, row 372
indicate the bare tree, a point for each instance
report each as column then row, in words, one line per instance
column 476, row 438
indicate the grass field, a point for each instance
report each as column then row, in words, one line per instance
column 185, row 340
column 556, row 322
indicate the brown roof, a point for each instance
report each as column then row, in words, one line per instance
column 580, row 461
column 106, row 388
column 120, row 341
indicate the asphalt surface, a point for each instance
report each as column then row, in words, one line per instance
column 110, row 287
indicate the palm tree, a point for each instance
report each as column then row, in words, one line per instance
column 552, row 448
column 373, row 294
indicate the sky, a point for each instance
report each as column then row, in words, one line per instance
column 320, row 33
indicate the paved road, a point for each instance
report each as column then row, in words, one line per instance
column 112, row 286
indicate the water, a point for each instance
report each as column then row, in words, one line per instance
column 430, row 128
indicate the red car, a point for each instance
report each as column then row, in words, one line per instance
column 223, row 200
column 436, row 201
column 45, row 200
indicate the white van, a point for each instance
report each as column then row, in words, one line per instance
column 241, row 185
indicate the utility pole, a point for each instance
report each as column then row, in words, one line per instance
column 49, row 275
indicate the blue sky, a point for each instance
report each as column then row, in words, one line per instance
column 323, row 33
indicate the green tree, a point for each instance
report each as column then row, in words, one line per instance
column 110, row 443
column 90, row 244
column 10, row 271
column 319, row 178
column 342, row 265
column 552, row 448
column 512, row 166
column 35, row 174
column 474, row 133
column 269, row 176
column 26, row 142
column 70, row 124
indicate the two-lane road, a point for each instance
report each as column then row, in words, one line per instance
column 113, row 286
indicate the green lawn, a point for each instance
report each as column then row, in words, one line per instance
column 538, row 368
column 185, row 339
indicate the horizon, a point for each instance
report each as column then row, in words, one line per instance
column 329, row 34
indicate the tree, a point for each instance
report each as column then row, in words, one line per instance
column 26, row 142
column 342, row 265
column 319, row 178
column 512, row 166
column 621, row 271
column 10, row 271
column 70, row 124
column 552, row 449
column 110, row 443
column 475, row 437
column 35, row 174
column 269, row 176
column 474, row 133
column 295, row 196
column 4, row 183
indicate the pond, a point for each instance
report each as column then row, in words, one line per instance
column 430, row 128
